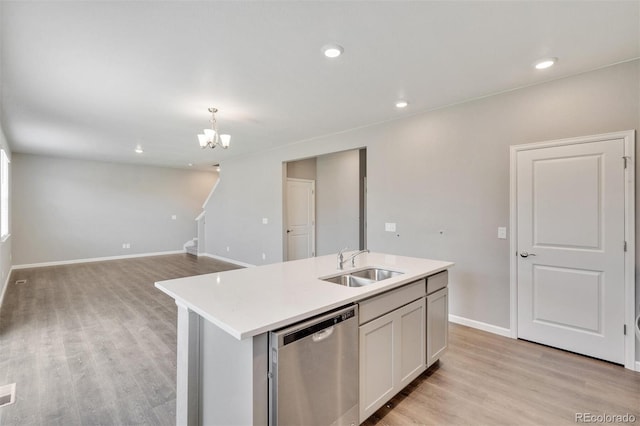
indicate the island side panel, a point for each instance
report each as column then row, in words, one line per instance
column 261, row 380
column 188, row 367
column 233, row 388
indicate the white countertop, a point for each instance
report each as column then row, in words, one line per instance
column 251, row 301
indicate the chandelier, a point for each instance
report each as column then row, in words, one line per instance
column 211, row 137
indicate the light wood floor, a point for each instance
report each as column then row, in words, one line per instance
column 95, row 344
column 485, row 379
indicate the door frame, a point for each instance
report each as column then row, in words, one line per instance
column 285, row 215
column 629, row 231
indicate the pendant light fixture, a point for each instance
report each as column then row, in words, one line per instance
column 211, row 137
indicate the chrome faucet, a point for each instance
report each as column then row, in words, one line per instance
column 352, row 258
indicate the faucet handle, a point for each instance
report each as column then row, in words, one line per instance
column 341, row 252
column 353, row 258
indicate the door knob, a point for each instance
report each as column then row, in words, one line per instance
column 288, row 230
column 525, row 254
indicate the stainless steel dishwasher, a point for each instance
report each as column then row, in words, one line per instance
column 313, row 371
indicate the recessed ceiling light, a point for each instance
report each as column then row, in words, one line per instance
column 139, row 150
column 402, row 104
column 545, row 63
column 332, row 50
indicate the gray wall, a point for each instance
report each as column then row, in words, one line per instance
column 72, row 209
column 5, row 247
column 440, row 170
column 302, row 169
column 337, row 202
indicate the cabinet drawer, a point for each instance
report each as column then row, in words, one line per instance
column 437, row 281
column 386, row 302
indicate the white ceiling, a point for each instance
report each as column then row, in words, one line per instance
column 94, row 79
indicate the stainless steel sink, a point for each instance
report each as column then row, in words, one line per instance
column 363, row 277
column 349, row 280
column 376, row 274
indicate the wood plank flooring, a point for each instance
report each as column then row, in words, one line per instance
column 485, row 379
column 95, row 344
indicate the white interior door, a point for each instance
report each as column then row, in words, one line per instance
column 570, row 247
column 300, row 229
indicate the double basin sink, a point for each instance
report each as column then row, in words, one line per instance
column 362, row 277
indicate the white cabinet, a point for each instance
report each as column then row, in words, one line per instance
column 402, row 332
column 377, row 364
column 412, row 341
column 437, row 324
column 392, row 354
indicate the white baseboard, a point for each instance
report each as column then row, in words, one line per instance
column 637, row 365
column 480, row 325
column 226, row 259
column 94, row 259
column 4, row 289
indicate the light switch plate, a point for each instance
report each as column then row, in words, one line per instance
column 265, row 220
column 390, row 227
column 502, row 233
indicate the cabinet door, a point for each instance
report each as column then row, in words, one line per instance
column 437, row 324
column 412, row 339
column 377, row 359
column 392, row 354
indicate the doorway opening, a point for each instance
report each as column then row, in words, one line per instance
column 324, row 204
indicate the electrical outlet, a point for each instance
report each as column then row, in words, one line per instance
column 264, row 256
column 390, row 227
column 228, row 249
column 174, row 217
column 265, row 220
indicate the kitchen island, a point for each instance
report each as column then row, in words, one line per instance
column 224, row 319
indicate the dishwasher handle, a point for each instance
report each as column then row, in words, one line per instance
column 324, row 334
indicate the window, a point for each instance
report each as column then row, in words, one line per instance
column 4, row 195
